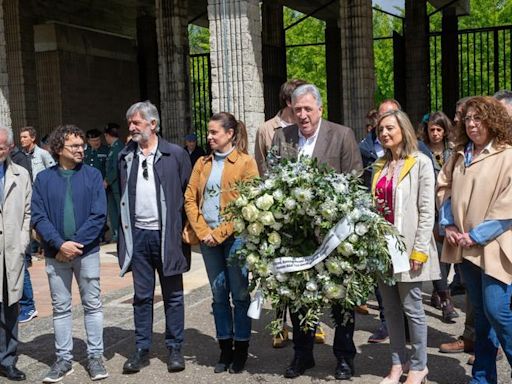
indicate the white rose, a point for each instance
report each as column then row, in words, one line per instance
column 353, row 238
column 311, row 285
column 251, row 260
column 346, row 249
column 255, row 229
column 264, row 202
column 270, row 183
column 278, row 195
column 355, row 215
column 239, row 226
column 274, row 238
column 361, row 229
column 333, row 267
column 250, row 212
column 266, row 218
column 290, row 204
column 277, row 226
column 281, row 277
column 340, row 188
column 241, row 201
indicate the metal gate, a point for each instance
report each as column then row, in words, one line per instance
column 200, row 85
column 485, row 62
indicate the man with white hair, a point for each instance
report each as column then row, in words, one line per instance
column 15, row 195
column 153, row 175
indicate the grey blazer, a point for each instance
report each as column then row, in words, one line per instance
column 336, row 146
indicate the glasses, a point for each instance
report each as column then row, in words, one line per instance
column 145, row 173
column 75, row 147
column 476, row 119
column 4, row 148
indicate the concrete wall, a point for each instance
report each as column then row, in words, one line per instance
column 85, row 77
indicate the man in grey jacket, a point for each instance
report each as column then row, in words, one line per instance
column 40, row 158
column 15, row 194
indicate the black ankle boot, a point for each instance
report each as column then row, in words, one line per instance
column 239, row 356
column 226, row 355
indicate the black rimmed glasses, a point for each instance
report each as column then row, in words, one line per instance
column 75, row 147
column 145, row 172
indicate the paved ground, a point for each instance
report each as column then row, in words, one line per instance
column 265, row 364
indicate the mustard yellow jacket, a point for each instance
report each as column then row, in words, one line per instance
column 237, row 166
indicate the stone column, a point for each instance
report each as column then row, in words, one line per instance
column 147, row 56
column 274, row 56
column 5, row 111
column 416, row 60
column 235, row 50
column 333, row 69
column 173, row 50
column 19, row 37
column 357, row 69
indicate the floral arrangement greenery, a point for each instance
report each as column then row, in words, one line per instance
column 289, row 214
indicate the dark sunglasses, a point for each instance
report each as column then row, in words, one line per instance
column 145, row 173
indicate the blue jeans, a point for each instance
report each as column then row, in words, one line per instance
column 86, row 270
column 228, row 278
column 491, row 303
column 146, row 259
column 27, row 299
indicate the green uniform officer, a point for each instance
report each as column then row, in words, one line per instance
column 96, row 153
column 111, row 181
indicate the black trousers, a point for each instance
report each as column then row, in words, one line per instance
column 343, row 345
column 8, row 330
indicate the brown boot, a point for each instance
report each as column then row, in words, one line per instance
column 460, row 345
column 449, row 312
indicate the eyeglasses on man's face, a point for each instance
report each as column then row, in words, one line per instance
column 75, row 147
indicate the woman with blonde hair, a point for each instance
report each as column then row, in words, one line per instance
column 403, row 187
column 211, row 188
column 475, row 195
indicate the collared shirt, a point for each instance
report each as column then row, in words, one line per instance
column 379, row 149
column 470, row 148
column 146, row 204
column 307, row 145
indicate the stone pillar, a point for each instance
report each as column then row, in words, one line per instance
column 450, row 61
column 19, row 37
column 147, row 56
column 5, row 111
column 235, row 50
column 358, row 79
column 333, row 69
column 274, row 56
column 416, row 60
column 173, row 50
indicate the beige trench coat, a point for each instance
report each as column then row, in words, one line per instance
column 414, row 211
column 15, row 230
column 482, row 191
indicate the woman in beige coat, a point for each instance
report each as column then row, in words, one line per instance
column 475, row 196
column 403, row 186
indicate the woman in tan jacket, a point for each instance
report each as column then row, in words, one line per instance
column 475, row 196
column 403, row 187
column 211, row 188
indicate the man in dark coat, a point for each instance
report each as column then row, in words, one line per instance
column 153, row 176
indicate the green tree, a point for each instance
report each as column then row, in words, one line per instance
column 306, row 62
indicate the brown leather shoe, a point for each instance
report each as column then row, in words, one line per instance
column 362, row 309
column 460, row 345
column 499, row 356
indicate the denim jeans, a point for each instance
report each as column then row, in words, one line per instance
column 228, row 278
column 86, row 270
column 491, row 304
column 146, row 259
column 27, row 299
